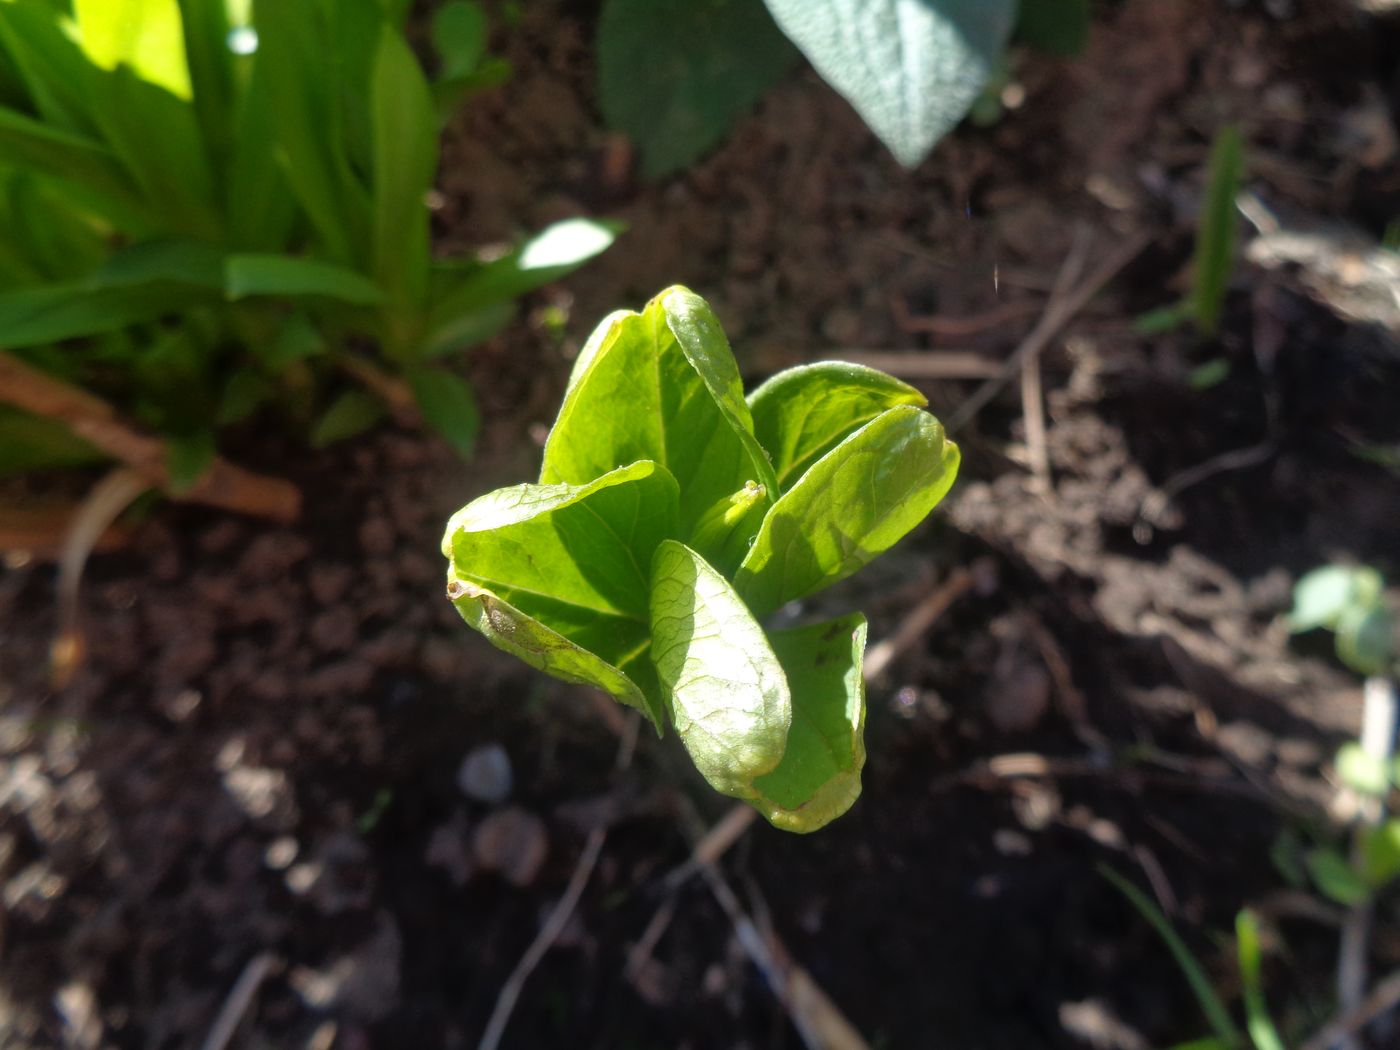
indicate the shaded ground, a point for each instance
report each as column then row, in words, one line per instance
column 262, row 755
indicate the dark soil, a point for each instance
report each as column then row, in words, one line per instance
column 262, row 752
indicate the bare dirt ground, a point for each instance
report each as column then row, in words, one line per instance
column 261, row 765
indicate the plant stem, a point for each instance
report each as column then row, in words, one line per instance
column 1378, row 730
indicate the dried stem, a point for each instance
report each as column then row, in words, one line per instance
column 98, row 423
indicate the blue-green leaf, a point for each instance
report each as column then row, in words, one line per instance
column 911, row 68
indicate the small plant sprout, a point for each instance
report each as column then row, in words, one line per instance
column 673, row 515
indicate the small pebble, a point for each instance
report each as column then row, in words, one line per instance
column 513, row 842
column 485, row 774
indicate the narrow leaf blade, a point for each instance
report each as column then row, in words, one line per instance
column 250, row 274
column 448, row 406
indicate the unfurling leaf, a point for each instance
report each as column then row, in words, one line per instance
column 645, row 559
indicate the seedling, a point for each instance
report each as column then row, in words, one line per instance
column 673, row 515
column 1216, row 238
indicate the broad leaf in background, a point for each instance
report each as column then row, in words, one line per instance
column 726, row 691
column 1057, row 27
column 673, row 75
column 911, row 68
column 853, row 504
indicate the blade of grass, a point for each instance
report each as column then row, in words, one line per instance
column 1195, row 974
column 1215, row 239
column 1256, row 1008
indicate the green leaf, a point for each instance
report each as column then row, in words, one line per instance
column 83, row 163
column 52, row 313
column 175, row 260
column 474, row 306
column 683, row 409
column 448, row 406
column 244, row 393
column 1216, row 235
column 852, row 504
column 188, row 456
column 673, row 75
column 819, row 776
column 702, row 340
column 146, row 35
column 1057, row 27
column 1381, row 853
column 211, row 70
column 404, row 137
column 589, row 546
column 1321, row 596
column 1211, row 1005
column 1362, row 771
column 724, row 532
column 307, row 123
column 911, row 68
column 726, row 691
column 284, row 275
column 160, row 144
column 1366, row 639
column 352, row 413
column 35, row 443
column 1257, row 1020
column 801, row 414
column 545, row 649
column 459, row 32
column 1335, row 877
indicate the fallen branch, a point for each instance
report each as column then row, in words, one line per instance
column 95, row 421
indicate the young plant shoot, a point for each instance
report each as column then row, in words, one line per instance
column 673, row 515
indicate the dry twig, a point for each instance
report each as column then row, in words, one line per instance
column 560, row 914
column 240, row 997
column 98, row 423
column 1059, row 311
column 1384, row 997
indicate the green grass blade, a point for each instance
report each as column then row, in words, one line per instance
column 1256, row 1008
column 1215, row 239
column 404, row 142
column 1210, row 1003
